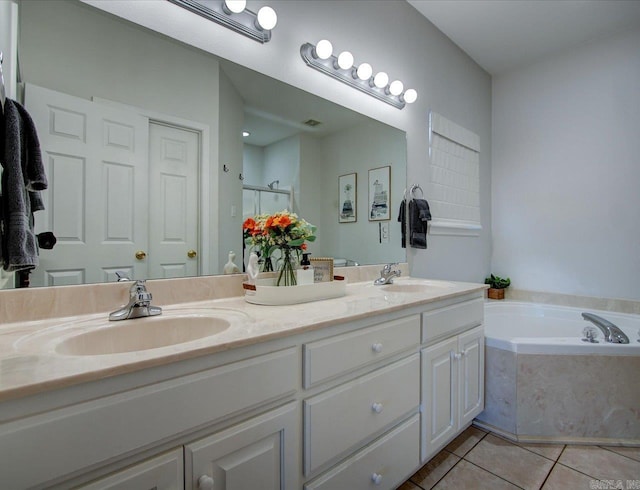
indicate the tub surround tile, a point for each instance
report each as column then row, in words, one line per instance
column 500, row 390
column 600, row 463
column 431, row 473
column 467, row 475
column 563, row 478
column 578, row 396
column 466, row 441
column 508, row 461
column 587, row 302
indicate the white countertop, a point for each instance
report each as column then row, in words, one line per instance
column 29, row 362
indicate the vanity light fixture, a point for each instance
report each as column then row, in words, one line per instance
column 234, row 15
column 361, row 77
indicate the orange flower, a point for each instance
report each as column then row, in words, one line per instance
column 268, row 224
column 249, row 224
column 282, row 221
column 303, row 246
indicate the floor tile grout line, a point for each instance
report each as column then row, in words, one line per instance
column 519, row 444
column 548, row 474
column 460, row 458
column 448, row 471
column 578, row 471
column 623, row 455
column 492, row 473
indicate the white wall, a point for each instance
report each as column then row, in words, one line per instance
column 9, row 44
column 252, row 165
column 282, row 162
column 228, row 235
column 405, row 45
column 566, row 173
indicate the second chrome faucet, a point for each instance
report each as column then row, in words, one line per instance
column 387, row 274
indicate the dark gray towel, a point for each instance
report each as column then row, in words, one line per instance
column 22, row 177
column 419, row 215
column 402, row 219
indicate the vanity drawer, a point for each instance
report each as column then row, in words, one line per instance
column 331, row 357
column 383, row 464
column 341, row 418
column 451, row 319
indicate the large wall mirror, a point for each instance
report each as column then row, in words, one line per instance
column 149, row 172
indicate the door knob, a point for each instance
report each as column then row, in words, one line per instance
column 141, row 255
column 192, row 254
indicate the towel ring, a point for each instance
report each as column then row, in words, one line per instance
column 414, row 188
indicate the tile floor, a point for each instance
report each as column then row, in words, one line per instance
column 482, row 460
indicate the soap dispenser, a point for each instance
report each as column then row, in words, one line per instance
column 305, row 272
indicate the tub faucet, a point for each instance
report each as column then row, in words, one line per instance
column 387, row 274
column 611, row 332
column 139, row 304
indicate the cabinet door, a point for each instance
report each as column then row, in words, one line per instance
column 439, row 378
column 164, row 472
column 259, row 454
column 471, row 375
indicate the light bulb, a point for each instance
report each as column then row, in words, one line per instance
column 267, row 18
column 396, row 87
column 324, row 49
column 381, row 79
column 364, row 71
column 235, row 6
column 410, row 96
column 345, row 60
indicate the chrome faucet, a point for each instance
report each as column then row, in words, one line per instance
column 139, row 304
column 610, row 331
column 387, row 274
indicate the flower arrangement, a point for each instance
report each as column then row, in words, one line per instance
column 282, row 231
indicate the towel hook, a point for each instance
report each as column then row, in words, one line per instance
column 414, row 188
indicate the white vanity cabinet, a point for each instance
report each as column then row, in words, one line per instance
column 367, row 427
column 258, row 454
column 358, row 404
column 77, row 443
column 163, row 472
column 452, row 373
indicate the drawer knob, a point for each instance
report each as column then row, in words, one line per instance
column 376, row 478
column 457, row 356
column 377, row 407
column 377, row 347
column 205, row 482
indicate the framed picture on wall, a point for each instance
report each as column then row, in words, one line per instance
column 347, row 198
column 380, row 193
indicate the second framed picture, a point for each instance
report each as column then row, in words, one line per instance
column 348, row 197
column 379, row 193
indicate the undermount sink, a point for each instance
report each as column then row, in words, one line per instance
column 142, row 334
column 416, row 286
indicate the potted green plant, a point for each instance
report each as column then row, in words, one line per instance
column 497, row 285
